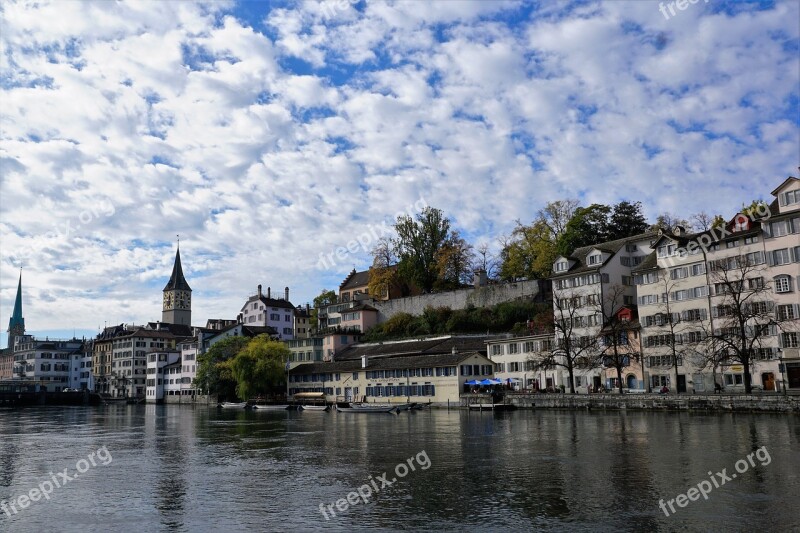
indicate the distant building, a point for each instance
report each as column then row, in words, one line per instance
column 514, row 361
column 265, row 311
column 46, row 361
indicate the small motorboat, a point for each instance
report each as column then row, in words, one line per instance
column 314, row 407
column 272, row 407
column 233, row 405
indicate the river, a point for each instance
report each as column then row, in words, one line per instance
column 183, row 468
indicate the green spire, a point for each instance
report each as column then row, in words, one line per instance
column 16, row 324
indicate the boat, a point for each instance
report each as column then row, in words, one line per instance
column 314, row 407
column 406, row 407
column 355, row 408
column 233, row 405
column 265, row 407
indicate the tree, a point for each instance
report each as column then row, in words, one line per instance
column 572, row 351
column 530, row 250
column 626, row 220
column 326, row 297
column 454, row 261
column 213, row 374
column 417, row 246
column 668, row 221
column 589, row 225
column 260, row 367
column 486, row 261
column 702, row 221
column 616, row 349
column 744, row 314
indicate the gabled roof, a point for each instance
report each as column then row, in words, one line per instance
column 786, row 182
column 176, row 280
column 579, row 255
column 269, row 302
column 355, row 279
column 650, row 263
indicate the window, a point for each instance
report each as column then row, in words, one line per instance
column 732, row 244
column 751, row 240
column 648, row 299
column 789, row 339
column 646, row 279
column 513, row 348
column 788, row 312
column 755, row 283
column 637, row 260
column 667, row 250
column 497, row 349
column 783, row 284
column 562, row 266
column 627, row 280
column 791, row 197
column 734, row 379
column 698, row 269
column 778, row 229
column 625, row 260
column 595, row 259
column 780, row 257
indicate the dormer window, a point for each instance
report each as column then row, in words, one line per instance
column 667, row 250
column 595, row 259
column 562, row 266
column 791, row 197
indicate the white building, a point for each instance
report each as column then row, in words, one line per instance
column 46, row 361
column 592, row 283
column 266, row 311
column 514, row 362
column 80, row 371
column 163, row 369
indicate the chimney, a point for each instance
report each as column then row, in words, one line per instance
column 308, row 307
column 269, row 292
column 454, row 350
column 364, row 361
column 259, row 290
column 286, row 293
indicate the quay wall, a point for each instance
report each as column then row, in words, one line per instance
column 460, row 299
column 773, row 403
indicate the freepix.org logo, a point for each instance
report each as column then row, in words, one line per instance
column 101, row 457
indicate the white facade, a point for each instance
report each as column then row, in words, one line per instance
column 80, row 371
column 514, row 359
column 264, row 310
column 161, row 366
column 582, row 284
column 46, row 361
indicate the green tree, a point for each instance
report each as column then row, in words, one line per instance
column 626, row 220
column 260, row 367
column 213, row 373
column 531, row 250
column 325, row 298
column 587, row 226
column 417, row 246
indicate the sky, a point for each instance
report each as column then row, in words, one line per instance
column 281, row 139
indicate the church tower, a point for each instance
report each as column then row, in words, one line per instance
column 177, row 306
column 16, row 324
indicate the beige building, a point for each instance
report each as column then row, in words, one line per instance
column 436, row 379
column 686, row 290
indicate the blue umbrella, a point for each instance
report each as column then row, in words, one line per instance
column 473, row 382
column 488, row 381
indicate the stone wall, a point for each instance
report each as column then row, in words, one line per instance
column 486, row 296
column 198, row 400
column 661, row 402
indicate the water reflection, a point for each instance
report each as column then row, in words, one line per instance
column 191, row 468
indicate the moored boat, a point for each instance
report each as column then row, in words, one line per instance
column 233, row 405
column 274, row 407
column 314, row 407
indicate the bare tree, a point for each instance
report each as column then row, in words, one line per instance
column 486, row 261
column 616, row 349
column 571, row 350
column 745, row 312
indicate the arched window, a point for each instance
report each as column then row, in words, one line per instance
column 783, row 283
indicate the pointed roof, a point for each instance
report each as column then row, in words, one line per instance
column 16, row 317
column 176, row 280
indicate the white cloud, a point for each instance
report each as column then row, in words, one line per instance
column 270, row 142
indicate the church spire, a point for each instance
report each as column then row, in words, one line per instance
column 16, row 324
column 177, row 281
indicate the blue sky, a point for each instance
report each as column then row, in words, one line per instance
column 270, row 134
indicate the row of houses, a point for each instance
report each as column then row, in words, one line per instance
column 649, row 311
